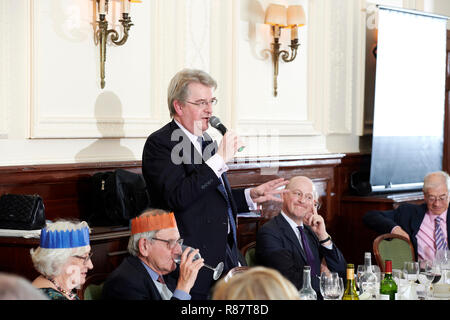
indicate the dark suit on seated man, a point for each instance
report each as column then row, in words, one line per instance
column 298, row 237
column 153, row 244
column 426, row 225
column 185, row 172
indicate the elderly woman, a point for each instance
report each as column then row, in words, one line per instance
column 63, row 259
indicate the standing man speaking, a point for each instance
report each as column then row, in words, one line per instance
column 185, row 172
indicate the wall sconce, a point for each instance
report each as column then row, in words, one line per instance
column 103, row 33
column 279, row 17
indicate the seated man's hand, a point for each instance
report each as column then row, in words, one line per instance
column 398, row 230
column 188, row 270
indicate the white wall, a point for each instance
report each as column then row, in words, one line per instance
column 52, row 109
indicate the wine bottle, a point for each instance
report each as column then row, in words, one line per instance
column 369, row 282
column 307, row 292
column 388, row 287
column 350, row 289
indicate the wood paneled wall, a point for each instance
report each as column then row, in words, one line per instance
column 65, row 190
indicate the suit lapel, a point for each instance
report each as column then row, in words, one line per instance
column 417, row 219
column 290, row 235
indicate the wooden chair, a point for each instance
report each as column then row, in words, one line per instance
column 248, row 251
column 234, row 271
column 393, row 247
column 92, row 288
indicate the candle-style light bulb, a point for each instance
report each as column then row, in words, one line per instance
column 102, row 9
column 125, row 6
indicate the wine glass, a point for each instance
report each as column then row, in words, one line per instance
column 411, row 269
column 329, row 286
column 359, row 272
column 426, row 275
column 217, row 270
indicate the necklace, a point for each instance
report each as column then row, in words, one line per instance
column 69, row 294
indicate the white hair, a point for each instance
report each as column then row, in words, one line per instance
column 429, row 182
column 133, row 242
column 49, row 262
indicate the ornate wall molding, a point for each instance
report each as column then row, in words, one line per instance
column 117, row 111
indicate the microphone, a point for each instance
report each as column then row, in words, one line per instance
column 215, row 123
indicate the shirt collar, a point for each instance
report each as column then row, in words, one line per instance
column 191, row 136
column 150, row 271
column 443, row 216
column 291, row 222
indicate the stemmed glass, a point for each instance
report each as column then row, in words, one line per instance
column 411, row 269
column 426, row 275
column 330, row 286
column 217, row 270
column 359, row 272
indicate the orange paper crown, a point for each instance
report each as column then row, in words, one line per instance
column 153, row 222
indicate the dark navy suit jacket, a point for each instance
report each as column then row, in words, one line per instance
column 179, row 180
column 130, row 281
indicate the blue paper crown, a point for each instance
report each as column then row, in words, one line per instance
column 64, row 239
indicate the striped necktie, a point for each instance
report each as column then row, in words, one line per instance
column 441, row 243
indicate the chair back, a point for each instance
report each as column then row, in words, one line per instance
column 393, row 247
column 248, row 251
column 92, row 288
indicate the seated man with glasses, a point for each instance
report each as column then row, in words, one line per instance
column 425, row 225
column 153, row 245
column 298, row 237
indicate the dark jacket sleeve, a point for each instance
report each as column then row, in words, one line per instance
column 380, row 221
column 271, row 252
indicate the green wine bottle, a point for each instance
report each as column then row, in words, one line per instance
column 388, row 287
column 350, row 290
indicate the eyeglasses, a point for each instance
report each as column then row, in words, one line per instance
column 300, row 195
column 85, row 259
column 204, row 103
column 170, row 243
column 441, row 198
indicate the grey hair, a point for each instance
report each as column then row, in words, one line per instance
column 13, row 287
column 133, row 242
column 429, row 183
column 178, row 86
column 49, row 262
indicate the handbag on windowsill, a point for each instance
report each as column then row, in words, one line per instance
column 21, row 212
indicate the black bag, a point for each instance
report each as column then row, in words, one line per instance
column 21, row 212
column 116, row 197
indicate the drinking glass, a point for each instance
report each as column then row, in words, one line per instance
column 217, row 270
column 341, row 288
column 426, row 275
column 359, row 272
column 411, row 269
column 400, row 279
column 329, row 286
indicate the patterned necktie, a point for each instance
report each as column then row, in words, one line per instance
column 439, row 235
column 221, row 187
column 309, row 255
